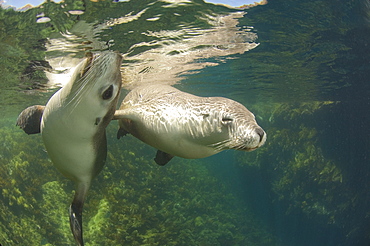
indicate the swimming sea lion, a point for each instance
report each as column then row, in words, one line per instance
column 188, row 126
column 73, row 125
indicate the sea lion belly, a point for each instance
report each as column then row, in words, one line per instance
column 72, row 142
column 177, row 143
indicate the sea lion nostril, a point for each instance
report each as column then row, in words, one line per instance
column 260, row 132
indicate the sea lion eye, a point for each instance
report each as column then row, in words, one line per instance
column 108, row 93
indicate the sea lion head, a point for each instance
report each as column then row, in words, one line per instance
column 95, row 85
column 236, row 126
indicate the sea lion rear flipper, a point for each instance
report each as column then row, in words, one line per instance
column 162, row 158
column 29, row 120
column 75, row 212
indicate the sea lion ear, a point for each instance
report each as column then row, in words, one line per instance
column 162, row 158
column 227, row 120
column 205, row 115
column 29, row 120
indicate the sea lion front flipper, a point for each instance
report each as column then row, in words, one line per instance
column 29, row 120
column 122, row 114
column 162, row 158
column 118, row 114
column 121, row 133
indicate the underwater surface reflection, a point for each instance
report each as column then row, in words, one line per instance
column 301, row 67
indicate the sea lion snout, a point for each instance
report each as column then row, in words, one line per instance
column 257, row 139
column 261, row 133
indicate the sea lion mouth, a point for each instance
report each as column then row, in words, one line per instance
column 251, row 145
column 248, row 149
column 227, row 145
column 89, row 61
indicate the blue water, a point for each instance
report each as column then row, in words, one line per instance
column 302, row 67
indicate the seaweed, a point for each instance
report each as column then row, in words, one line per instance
column 133, row 201
column 300, row 175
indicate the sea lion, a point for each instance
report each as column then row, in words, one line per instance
column 185, row 125
column 73, row 125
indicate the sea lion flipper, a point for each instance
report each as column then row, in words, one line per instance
column 121, row 133
column 121, row 114
column 118, row 114
column 162, row 158
column 75, row 219
column 75, row 212
column 29, row 120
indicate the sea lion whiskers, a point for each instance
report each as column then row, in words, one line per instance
column 87, row 76
column 222, row 145
column 80, row 84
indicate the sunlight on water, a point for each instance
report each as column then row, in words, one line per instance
column 166, row 54
column 163, row 56
column 233, row 3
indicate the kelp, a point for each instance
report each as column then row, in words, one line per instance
column 300, row 176
column 132, row 202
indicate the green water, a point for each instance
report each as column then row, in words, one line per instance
column 301, row 66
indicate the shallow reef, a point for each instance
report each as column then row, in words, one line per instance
column 302, row 173
column 132, row 202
